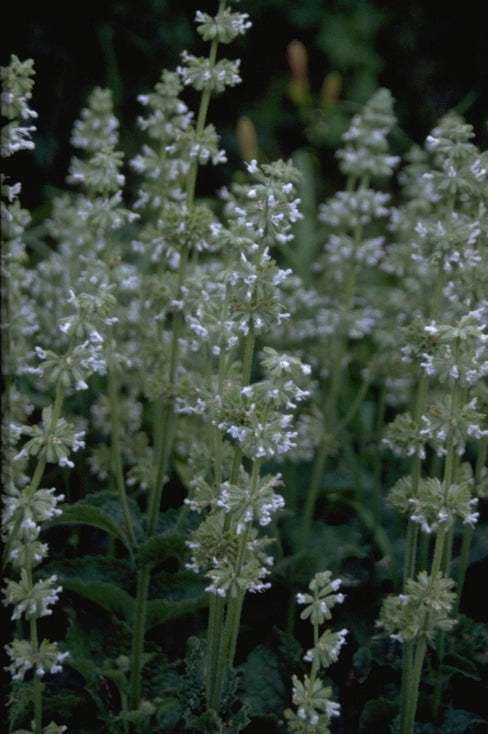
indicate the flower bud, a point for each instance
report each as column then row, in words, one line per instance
column 298, row 88
column 247, row 139
column 331, row 89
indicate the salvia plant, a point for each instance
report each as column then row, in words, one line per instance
column 213, row 403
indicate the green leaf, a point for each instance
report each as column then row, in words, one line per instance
column 100, row 580
column 61, row 706
column 86, row 513
column 110, row 597
column 377, row 715
column 160, row 547
column 458, row 721
column 362, row 662
column 264, row 688
column 459, row 665
column 160, row 611
column 380, row 536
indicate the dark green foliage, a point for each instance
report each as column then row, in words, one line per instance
column 232, row 715
column 263, row 688
column 101, row 511
column 377, row 716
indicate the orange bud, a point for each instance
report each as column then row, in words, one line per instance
column 298, row 88
column 331, row 88
column 298, row 61
column 247, row 139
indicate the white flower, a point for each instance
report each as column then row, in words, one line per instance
column 252, row 166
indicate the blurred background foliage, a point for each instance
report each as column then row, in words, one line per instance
column 431, row 55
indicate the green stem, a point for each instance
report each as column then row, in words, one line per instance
column 438, row 553
column 139, row 631
column 360, row 395
column 412, row 687
column 227, row 640
column 115, row 443
column 377, row 466
column 36, row 681
column 407, row 664
column 214, row 642
column 450, row 468
column 227, row 637
column 312, row 493
column 410, row 550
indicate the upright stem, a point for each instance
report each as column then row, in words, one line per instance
column 139, row 630
column 222, row 636
column 407, row 725
column 228, row 635
column 407, row 665
column 312, row 493
column 115, row 443
column 37, row 693
column 166, row 417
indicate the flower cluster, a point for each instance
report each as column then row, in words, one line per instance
column 343, row 304
column 17, row 84
column 254, row 415
column 52, row 440
column 311, row 697
column 433, row 505
column 251, row 417
column 235, row 563
column 26, row 505
column 224, row 27
column 440, row 234
column 366, row 152
column 421, row 611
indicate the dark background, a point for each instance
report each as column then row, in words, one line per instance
column 431, row 55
